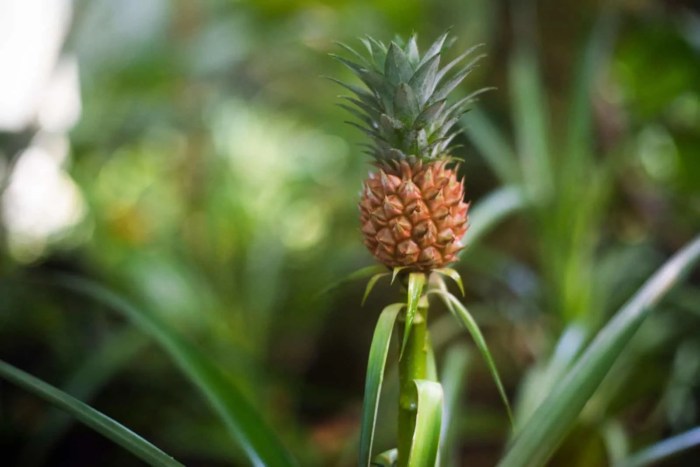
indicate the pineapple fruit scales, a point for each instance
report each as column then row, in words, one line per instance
column 412, row 209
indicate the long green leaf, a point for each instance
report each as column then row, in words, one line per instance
column 98, row 368
column 362, row 273
column 89, row 416
column 452, row 274
column 593, row 61
column 416, row 282
column 370, row 285
column 492, row 209
column 375, row 377
column 453, row 379
column 543, row 376
column 541, row 435
column 426, row 437
column 663, row 449
column 463, row 316
column 243, row 421
column 492, row 146
column 530, row 119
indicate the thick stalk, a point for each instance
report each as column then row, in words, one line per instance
column 412, row 365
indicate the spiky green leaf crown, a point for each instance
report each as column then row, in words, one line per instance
column 403, row 106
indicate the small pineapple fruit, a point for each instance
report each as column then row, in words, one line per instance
column 413, row 213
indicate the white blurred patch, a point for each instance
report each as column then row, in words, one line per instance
column 41, row 201
column 60, row 107
column 31, row 34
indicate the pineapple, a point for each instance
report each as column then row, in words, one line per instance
column 412, row 208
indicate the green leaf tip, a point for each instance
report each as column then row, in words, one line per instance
column 454, row 275
column 397, row 270
column 370, row 285
column 359, row 274
column 460, row 312
column 416, row 282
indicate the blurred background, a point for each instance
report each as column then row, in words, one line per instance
column 191, row 156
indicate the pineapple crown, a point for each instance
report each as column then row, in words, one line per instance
column 403, row 105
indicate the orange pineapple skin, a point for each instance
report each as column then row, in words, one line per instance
column 414, row 215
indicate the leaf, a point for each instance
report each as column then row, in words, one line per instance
column 463, row 316
column 531, row 121
column 492, row 146
column 87, row 380
column 375, row 377
column 429, row 114
column 423, row 80
column 243, row 421
column 453, row 376
column 435, row 49
column 386, row 459
column 444, row 89
column 452, row 274
column 416, row 281
column 426, row 437
column 397, row 68
column 406, row 104
column 492, row 209
column 592, row 63
column 363, row 60
column 96, row 420
column 412, row 50
column 370, row 285
column 443, row 72
column 662, row 450
column 396, row 272
column 553, row 419
column 542, row 377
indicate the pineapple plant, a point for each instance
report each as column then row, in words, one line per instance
column 413, row 217
column 412, row 209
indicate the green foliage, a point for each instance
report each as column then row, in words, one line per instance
column 540, row 436
column 216, row 186
column 375, row 376
column 89, row 416
column 426, row 438
column 465, row 318
column 243, row 421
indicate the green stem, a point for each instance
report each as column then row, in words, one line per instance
column 412, row 366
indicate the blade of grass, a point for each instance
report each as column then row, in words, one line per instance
column 531, row 121
column 491, row 210
column 87, row 380
column 552, row 420
column 542, row 377
column 491, row 145
column 89, row 416
column 452, row 274
column 453, row 379
column 416, row 281
column 375, row 377
column 462, row 315
column 362, row 273
column 370, row 285
column 591, row 64
column 243, row 421
column 662, row 450
column 426, row 437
